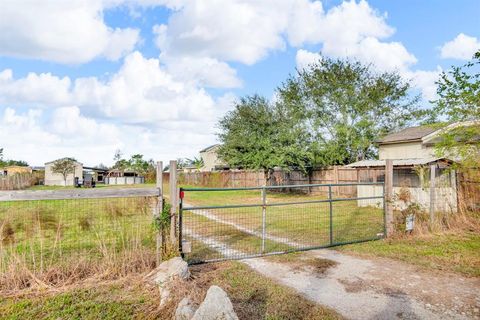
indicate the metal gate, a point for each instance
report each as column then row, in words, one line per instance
column 235, row 223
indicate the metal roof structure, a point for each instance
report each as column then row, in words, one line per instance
column 396, row 162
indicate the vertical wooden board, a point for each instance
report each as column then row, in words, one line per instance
column 389, row 196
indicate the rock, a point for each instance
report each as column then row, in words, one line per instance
column 170, row 269
column 216, row 306
column 185, row 310
column 164, row 295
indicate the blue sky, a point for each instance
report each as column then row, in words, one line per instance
column 153, row 76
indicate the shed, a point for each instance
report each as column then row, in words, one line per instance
column 56, row 179
column 411, row 183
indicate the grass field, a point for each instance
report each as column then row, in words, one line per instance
column 38, row 235
column 450, row 251
column 253, row 297
column 291, row 226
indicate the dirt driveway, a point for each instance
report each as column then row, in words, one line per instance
column 378, row 289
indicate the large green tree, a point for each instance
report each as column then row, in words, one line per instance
column 258, row 134
column 346, row 106
column 458, row 92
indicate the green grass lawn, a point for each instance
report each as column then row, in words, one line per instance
column 298, row 225
column 42, row 233
column 454, row 252
column 253, row 297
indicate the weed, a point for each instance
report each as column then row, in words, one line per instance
column 85, row 223
column 7, row 234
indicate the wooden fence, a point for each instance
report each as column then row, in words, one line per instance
column 17, row 181
column 247, row 178
column 468, row 186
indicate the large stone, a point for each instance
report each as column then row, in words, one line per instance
column 185, row 310
column 170, row 269
column 216, row 306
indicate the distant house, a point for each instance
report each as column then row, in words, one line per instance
column 56, row 179
column 413, row 154
column 11, row 170
column 211, row 162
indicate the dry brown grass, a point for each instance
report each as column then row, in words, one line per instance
column 19, row 275
column 444, row 222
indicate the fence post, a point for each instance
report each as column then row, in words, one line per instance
column 388, row 197
column 432, row 194
column 264, row 217
column 173, row 201
column 159, row 209
column 331, row 213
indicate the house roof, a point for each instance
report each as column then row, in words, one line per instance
column 213, row 146
column 396, row 162
column 62, row 159
column 408, row 134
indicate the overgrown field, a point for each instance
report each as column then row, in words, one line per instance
column 67, row 238
column 253, row 297
column 237, row 232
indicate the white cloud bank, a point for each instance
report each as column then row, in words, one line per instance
column 70, row 32
column 159, row 106
column 140, row 108
column 462, row 47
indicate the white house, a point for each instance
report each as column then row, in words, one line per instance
column 412, row 151
column 211, row 162
column 56, row 179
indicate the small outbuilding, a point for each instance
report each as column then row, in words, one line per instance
column 411, row 183
column 57, row 179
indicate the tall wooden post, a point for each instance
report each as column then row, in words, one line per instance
column 389, row 196
column 432, row 193
column 159, row 208
column 173, row 201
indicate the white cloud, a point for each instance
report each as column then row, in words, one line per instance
column 247, row 31
column 43, row 88
column 425, row 81
column 140, row 109
column 61, row 31
column 141, row 92
column 462, row 47
column 205, row 72
column 304, row 58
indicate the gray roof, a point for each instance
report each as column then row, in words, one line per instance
column 209, row 147
column 396, row 162
column 408, row 134
column 63, row 159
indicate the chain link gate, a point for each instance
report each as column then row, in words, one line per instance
column 235, row 223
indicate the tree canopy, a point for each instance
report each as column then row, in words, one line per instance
column 458, row 92
column 4, row 163
column 329, row 113
column 260, row 135
column 346, row 106
column 64, row 166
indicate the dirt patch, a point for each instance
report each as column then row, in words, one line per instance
column 379, row 288
column 304, row 262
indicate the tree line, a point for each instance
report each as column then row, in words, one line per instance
column 334, row 111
